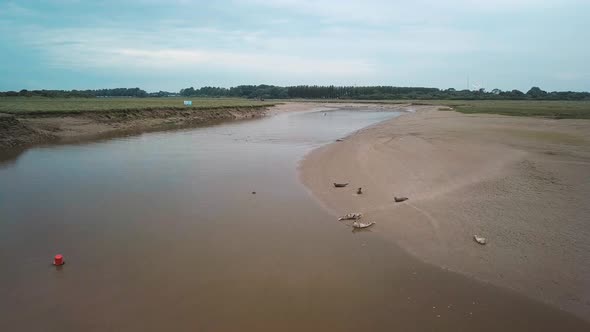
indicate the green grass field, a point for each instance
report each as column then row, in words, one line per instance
column 550, row 109
column 23, row 105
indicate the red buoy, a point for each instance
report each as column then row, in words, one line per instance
column 58, row 260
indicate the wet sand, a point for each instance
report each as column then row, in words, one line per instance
column 523, row 183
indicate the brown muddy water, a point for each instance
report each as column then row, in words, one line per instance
column 162, row 232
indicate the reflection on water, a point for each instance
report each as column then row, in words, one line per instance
column 162, row 232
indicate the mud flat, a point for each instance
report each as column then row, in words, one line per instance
column 522, row 183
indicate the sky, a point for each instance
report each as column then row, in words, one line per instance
column 169, row 45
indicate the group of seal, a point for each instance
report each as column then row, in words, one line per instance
column 356, row 217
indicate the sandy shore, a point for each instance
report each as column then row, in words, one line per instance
column 523, row 183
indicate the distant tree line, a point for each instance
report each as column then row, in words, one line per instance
column 317, row 92
column 243, row 91
column 376, row 93
column 118, row 92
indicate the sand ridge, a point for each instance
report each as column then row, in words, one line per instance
column 520, row 182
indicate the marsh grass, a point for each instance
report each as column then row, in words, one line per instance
column 549, row 109
column 36, row 105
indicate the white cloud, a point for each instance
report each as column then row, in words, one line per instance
column 311, row 41
column 337, row 53
column 113, row 49
column 385, row 12
column 183, row 59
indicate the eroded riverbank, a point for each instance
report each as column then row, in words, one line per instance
column 18, row 130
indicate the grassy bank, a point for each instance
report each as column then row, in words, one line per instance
column 28, row 105
column 25, row 105
column 550, row 109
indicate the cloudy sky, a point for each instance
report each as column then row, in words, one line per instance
column 168, row 45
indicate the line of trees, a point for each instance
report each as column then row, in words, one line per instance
column 317, row 92
column 117, row 92
column 242, row 91
column 377, row 93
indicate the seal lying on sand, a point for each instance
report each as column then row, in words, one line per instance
column 400, row 199
column 480, row 240
column 340, row 185
column 351, row 216
column 358, row 224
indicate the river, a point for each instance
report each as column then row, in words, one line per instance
column 210, row 229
